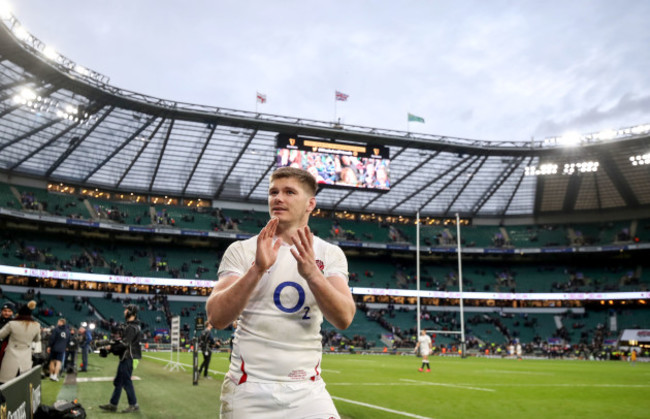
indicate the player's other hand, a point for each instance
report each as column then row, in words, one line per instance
column 303, row 241
column 267, row 252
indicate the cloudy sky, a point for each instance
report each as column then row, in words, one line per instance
column 490, row 70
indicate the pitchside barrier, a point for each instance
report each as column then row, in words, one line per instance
column 21, row 397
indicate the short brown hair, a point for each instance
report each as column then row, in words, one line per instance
column 303, row 176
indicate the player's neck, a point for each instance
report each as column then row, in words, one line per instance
column 286, row 231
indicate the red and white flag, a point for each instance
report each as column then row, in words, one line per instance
column 341, row 96
column 261, row 98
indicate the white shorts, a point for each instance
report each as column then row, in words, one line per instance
column 300, row 400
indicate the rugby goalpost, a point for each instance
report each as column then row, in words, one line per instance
column 460, row 332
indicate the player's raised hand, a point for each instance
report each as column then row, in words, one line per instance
column 267, row 252
column 304, row 252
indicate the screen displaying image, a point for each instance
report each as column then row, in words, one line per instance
column 335, row 164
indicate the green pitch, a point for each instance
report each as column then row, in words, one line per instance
column 374, row 386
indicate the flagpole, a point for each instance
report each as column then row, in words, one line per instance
column 335, row 107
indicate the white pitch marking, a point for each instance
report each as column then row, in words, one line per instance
column 449, row 385
column 375, row 384
column 516, row 372
column 571, row 385
column 332, row 371
column 372, row 406
column 102, row 379
column 185, row 365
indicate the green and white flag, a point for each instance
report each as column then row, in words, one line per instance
column 415, row 118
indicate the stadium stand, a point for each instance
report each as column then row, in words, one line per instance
column 157, row 253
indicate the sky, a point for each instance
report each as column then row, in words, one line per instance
column 488, row 69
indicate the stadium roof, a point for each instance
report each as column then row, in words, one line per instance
column 65, row 123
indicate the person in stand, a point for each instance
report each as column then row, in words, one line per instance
column 206, row 342
column 129, row 350
column 424, row 347
column 85, row 337
column 279, row 285
column 57, row 346
column 19, row 334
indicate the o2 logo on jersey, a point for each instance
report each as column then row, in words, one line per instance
column 299, row 304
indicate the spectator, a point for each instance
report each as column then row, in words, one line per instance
column 21, row 332
column 8, row 309
column 7, row 315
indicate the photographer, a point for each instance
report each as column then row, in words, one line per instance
column 128, row 349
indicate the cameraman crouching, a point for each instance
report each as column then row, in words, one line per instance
column 128, row 349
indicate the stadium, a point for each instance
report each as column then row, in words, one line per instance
column 111, row 197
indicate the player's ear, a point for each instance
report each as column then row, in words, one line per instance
column 311, row 205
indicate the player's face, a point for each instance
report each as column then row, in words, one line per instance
column 290, row 202
column 6, row 313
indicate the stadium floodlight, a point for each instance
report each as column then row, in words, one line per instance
column 25, row 96
column 5, row 10
column 640, row 160
column 91, row 326
column 570, row 139
column 640, row 129
column 50, row 53
column 606, row 135
column 82, row 70
column 542, row 170
column 581, row 167
column 21, row 33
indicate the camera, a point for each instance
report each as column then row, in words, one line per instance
column 116, row 347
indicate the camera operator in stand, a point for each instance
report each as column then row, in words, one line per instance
column 128, row 349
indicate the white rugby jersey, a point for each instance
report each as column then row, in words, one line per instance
column 425, row 344
column 278, row 334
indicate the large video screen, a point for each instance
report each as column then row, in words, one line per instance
column 336, row 164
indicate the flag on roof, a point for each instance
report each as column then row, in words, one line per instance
column 415, row 118
column 341, row 96
column 261, row 98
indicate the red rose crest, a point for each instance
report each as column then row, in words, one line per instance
column 320, row 265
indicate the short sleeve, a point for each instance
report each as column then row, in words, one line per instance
column 233, row 260
column 337, row 263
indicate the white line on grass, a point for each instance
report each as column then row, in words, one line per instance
column 102, row 379
column 516, row 372
column 372, row 406
column 185, row 365
column 332, row 371
column 448, row 385
column 570, row 385
column 376, row 384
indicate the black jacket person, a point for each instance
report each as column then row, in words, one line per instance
column 128, row 349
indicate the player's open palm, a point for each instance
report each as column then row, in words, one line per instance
column 304, row 253
column 267, row 252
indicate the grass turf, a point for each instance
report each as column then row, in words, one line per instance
column 367, row 386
